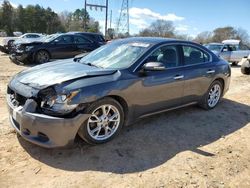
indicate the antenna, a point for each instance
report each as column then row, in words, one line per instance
column 123, row 22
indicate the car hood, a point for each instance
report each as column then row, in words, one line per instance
column 56, row 72
column 28, row 41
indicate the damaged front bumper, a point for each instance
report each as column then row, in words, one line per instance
column 43, row 130
column 4, row 49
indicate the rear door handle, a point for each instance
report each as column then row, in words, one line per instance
column 178, row 77
column 210, row 71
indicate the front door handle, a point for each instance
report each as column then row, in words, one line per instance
column 178, row 77
column 210, row 71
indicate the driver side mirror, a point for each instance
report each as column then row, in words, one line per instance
column 153, row 66
column 55, row 41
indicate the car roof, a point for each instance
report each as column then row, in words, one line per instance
column 231, row 41
column 87, row 33
column 156, row 40
column 32, row 34
column 214, row 43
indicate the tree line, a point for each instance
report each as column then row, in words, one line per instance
column 162, row 28
column 34, row 18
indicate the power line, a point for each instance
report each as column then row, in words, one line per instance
column 96, row 6
column 123, row 22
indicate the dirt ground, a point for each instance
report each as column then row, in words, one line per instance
column 189, row 147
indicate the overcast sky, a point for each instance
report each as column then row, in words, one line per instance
column 189, row 16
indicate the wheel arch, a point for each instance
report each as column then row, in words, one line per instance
column 42, row 49
column 123, row 103
column 222, row 81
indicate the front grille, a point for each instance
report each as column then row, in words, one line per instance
column 16, row 98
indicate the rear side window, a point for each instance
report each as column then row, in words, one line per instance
column 64, row 40
column 80, row 40
column 97, row 38
column 194, row 55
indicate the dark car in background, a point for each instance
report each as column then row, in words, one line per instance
column 56, row 46
column 95, row 37
column 113, row 86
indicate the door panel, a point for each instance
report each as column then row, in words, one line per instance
column 226, row 55
column 62, row 47
column 158, row 90
column 199, row 73
column 197, row 80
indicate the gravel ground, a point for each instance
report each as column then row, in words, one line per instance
column 188, row 147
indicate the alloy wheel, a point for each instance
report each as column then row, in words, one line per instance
column 42, row 57
column 214, row 95
column 103, row 122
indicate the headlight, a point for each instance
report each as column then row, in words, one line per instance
column 28, row 48
column 59, row 104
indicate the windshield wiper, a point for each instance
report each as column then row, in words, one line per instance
column 92, row 65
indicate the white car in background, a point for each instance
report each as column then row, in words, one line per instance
column 7, row 42
column 231, row 50
column 245, row 65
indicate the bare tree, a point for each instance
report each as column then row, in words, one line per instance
column 159, row 28
column 204, row 37
column 223, row 33
column 243, row 36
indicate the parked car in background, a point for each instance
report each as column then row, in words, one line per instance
column 57, row 46
column 95, row 37
column 231, row 50
column 29, row 38
column 113, row 86
column 245, row 65
column 7, row 42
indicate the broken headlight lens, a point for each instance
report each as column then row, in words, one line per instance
column 60, row 103
column 28, row 48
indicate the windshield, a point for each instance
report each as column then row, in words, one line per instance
column 214, row 47
column 49, row 38
column 116, row 55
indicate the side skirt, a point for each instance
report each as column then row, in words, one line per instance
column 168, row 109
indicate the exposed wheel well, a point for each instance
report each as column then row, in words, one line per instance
column 122, row 102
column 222, row 82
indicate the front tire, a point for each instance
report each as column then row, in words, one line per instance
column 105, row 122
column 42, row 56
column 213, row 96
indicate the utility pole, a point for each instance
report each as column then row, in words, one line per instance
column 96, row 6
column 110, row 23
column 123, row 22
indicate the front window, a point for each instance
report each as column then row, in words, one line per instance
column 168, row 55
column 116, row 55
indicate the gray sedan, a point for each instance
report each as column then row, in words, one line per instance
column 112, row 87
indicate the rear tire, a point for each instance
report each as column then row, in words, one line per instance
column 105, row 122
column 212, row 96
column 42, row 56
